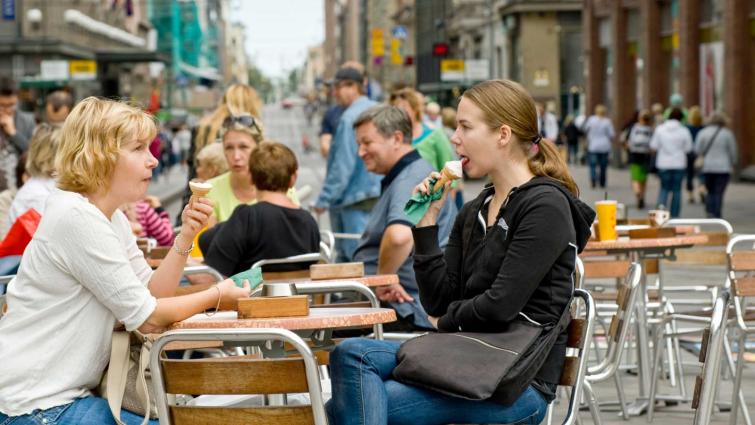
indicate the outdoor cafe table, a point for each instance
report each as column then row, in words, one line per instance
column 318, row 325
column 638, row 251
column 371, row 281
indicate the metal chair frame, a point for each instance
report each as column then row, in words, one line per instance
column 239, row 337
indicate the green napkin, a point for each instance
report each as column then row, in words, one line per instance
column 417, row 206
column 253, row 275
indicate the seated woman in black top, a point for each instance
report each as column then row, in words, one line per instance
column 510, row 256
column 274, row 227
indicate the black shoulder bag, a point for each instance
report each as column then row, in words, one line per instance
column 480, row 366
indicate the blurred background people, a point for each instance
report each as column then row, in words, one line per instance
column 58, row 105
column 600, row 135
column 718, row 147
column 671, row 142
column 694, row 125
column 16, row 128
column 638, row 145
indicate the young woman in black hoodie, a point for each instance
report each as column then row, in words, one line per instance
column 510, row 256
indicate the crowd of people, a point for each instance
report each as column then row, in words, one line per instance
column 85, row 171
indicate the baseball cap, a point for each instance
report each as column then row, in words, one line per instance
column 349, row 74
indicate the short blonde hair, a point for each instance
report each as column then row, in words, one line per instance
column 410, row 96
column 91, row 139
column 255, row 131
column 40, row 161
column 212, row 156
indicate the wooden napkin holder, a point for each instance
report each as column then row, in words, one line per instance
column 652, row 233
column 336, row 271
column 264, row 307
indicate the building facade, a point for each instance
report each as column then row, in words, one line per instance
column 343, row 29
column 640, row 52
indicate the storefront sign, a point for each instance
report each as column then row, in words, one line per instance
column 9, row 10
column 83, row 69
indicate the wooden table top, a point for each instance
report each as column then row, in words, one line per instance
column 371, row 281
column 318, row 318
column 624, row 243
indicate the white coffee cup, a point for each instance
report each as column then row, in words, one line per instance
column 658, row 217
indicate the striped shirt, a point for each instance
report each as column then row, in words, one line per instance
column 155, row 224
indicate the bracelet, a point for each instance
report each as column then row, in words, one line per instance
column 217, row 307
column 178, row 250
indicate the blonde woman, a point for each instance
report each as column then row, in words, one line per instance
column 40, row 165
column 241, row 134
column 518, row 263
column 83, row 274
column 600, row 134
column 432, row 144
column 211, row 162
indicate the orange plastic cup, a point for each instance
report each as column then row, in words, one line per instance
column 606, row 220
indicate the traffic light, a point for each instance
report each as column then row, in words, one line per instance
column 440, row 49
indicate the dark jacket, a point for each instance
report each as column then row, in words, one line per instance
column 520, row 268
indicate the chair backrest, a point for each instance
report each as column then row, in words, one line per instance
column 237, row 375
column 710, row 356
column 575, row 365
column 710, row 253
column 328, row 245
column 626, row 297
column 312, row 257
column 741, row 273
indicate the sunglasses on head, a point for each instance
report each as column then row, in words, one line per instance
column 246, row 120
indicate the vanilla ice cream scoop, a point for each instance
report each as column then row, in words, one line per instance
column 450, row 172
column 199, row 189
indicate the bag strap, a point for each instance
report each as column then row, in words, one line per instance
column 117, row 373
column 117, row 376
column 712, row 139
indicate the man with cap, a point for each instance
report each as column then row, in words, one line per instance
column 349, row 191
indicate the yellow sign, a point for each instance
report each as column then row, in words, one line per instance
column 396, row 58
column 83, row 69
column 378, row 43
column 452, row 65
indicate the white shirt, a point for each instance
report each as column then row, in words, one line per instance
column 32, row 194
column 671, row 141
column 550, row 122
column 600, row 134
column 79, row 275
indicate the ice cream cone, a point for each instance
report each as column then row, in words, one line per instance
column 199, row 189
column 450, row 172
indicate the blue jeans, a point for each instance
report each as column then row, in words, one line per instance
column 83, row 411
column 9, row 265
column 347, row 220
column 598, row 165
column 364, row 393
column 671, row 184
column 716, row 184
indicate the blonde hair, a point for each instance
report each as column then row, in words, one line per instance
column 695, row 116
column 212, row 155
column 43, row 146
column 238, row 99
column 600, row 110
column 412, row 97
column 255, row 131
column 91, row 139
column 504, row 102
column 448, row 117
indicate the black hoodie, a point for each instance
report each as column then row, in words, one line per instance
column 521, row 267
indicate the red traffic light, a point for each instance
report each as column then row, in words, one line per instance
column 440, row 49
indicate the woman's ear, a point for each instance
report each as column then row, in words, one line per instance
column 504, row 135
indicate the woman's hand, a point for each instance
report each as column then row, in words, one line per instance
column 230, row 293
column 431, row 215
column 195, row 216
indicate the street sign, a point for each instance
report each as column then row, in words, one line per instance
column 477, row 69
column 83, row 70
column 396, row 58
column 9, row 10
column 399, row 31
column 378, row 42
column 451, row 70
column 53, row 69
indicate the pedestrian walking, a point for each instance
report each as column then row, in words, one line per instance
column 638, row 145
column 600, row 135
column 694, row 124
column 718, row 148
column 671, row 142
column 572, row 133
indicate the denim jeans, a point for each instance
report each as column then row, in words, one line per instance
column 716, row 184
column 671, row 184
column 364, row 393
column 347, row 220
column 598, row 165
column 83, row 411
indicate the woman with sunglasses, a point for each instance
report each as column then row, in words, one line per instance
column 240, row 136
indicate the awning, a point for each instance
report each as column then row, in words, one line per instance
column 139, row 56
column 206, row 73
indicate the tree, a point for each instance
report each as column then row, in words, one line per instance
column 261, row 83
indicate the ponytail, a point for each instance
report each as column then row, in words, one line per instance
column 547, row 161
